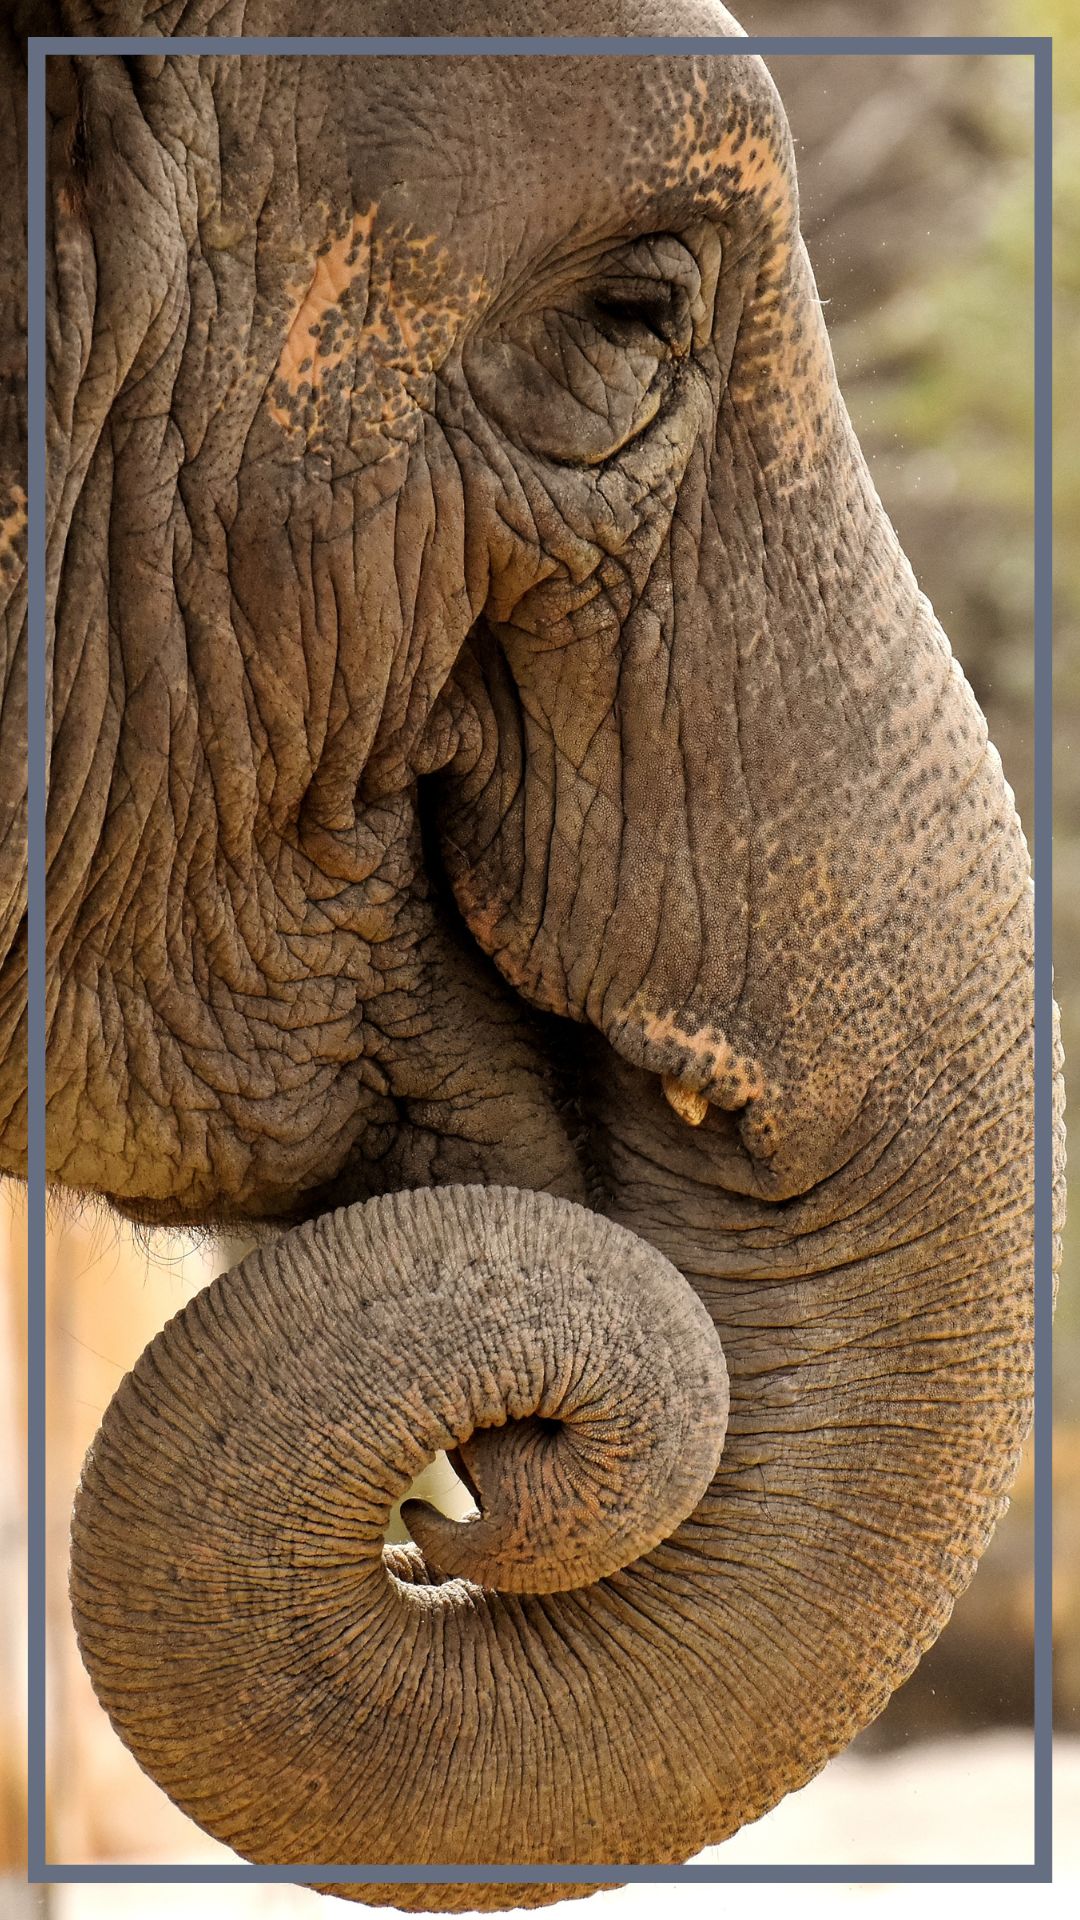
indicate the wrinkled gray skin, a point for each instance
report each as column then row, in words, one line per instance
column 497, row 741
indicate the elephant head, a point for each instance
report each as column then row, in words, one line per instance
column 516, row 828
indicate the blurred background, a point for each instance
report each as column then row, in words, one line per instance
column 917, row 184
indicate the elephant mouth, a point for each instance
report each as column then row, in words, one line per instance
column 171, row 1215
column 695, row 1091
column 722, row 1124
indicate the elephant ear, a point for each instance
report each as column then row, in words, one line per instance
column 17, row 21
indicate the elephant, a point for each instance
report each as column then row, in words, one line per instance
column 519, row 845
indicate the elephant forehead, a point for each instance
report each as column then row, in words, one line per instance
column 500, row 155
column 591, row 126
column 413, row 17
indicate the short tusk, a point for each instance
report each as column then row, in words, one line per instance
column 688, row 1103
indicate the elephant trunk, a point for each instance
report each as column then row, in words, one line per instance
column 670, row 1611
column 309, row 1695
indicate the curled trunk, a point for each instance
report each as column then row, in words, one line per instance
column 309, row 1695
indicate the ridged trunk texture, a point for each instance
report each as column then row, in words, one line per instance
column 309, row 1696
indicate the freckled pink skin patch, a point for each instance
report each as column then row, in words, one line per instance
column 13, row 523
column 304, row 361
column 373, row 319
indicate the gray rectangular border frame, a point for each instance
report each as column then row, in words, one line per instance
column 1040, row 49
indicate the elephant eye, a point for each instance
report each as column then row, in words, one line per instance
column 583, row 372
column 659, row 308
